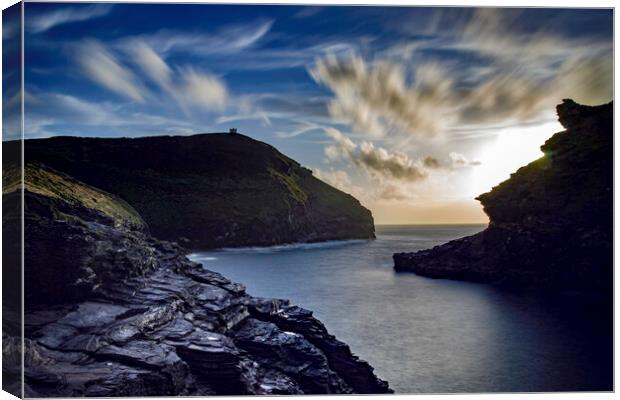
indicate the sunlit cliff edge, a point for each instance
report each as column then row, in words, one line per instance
column 551, row 222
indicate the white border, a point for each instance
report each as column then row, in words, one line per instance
column 470, row 3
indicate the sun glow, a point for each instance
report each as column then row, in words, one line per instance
column 512, row 149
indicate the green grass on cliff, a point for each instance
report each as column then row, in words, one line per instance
column 213, row 189
column 291, row 184
column 55, row 185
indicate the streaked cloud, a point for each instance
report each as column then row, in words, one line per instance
column 188, row 87
column 407, row 100
column 43, row 22
column 259, row 116
column 150, row 63
column 101, row 66
column 308, row 11
column 376, row 99
column 227, row 40
column 513, row 74
column 300, row 129
column 52, row 113
column 342, row 146
column 203, row 90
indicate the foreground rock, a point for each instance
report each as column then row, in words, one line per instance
column 210, row 190
column 551, row 223
column 110, row 311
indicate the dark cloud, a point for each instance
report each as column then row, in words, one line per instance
column 431, row 162
column 376, row 161
column 387, row 165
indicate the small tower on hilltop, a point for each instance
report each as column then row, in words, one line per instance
column 232, row 131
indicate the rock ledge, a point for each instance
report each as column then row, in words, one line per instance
column 551, row 223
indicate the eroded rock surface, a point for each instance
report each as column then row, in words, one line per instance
column 114, row 312
column 169, row 334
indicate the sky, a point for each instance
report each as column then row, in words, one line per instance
column 414, row 111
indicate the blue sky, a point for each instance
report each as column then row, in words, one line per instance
column 413, row 110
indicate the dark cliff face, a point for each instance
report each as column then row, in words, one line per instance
column 551, row 223
column 111, row 311
column 211, row 190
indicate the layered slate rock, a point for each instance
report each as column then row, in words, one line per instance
column 123, row 314
column 210, row 190
column 551, row 223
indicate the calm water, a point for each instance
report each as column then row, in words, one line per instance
column 426, row 335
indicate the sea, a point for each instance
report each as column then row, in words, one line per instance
column 433, row 335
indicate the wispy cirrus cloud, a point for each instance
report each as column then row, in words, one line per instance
column 376, row 99
column 228, row 40
column 300, row 129
column 308, row 11
column 102, row 66
column 43, row 22
column 52, row 113
column 259, row 116
column 186, row 86
column 204, row 90
column 242, row 47
column 150, row 63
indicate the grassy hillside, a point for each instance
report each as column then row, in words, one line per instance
column 210, row 190
column 59, row 187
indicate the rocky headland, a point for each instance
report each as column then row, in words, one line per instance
column 551, row 223
column 112, row 311
column 210, row 190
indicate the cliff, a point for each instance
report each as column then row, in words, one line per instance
column 111, row 311
column 551, row 223
column 210, row 190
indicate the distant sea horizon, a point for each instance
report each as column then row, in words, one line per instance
column 436, row 224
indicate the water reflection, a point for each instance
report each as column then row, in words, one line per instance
column 432, row 336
